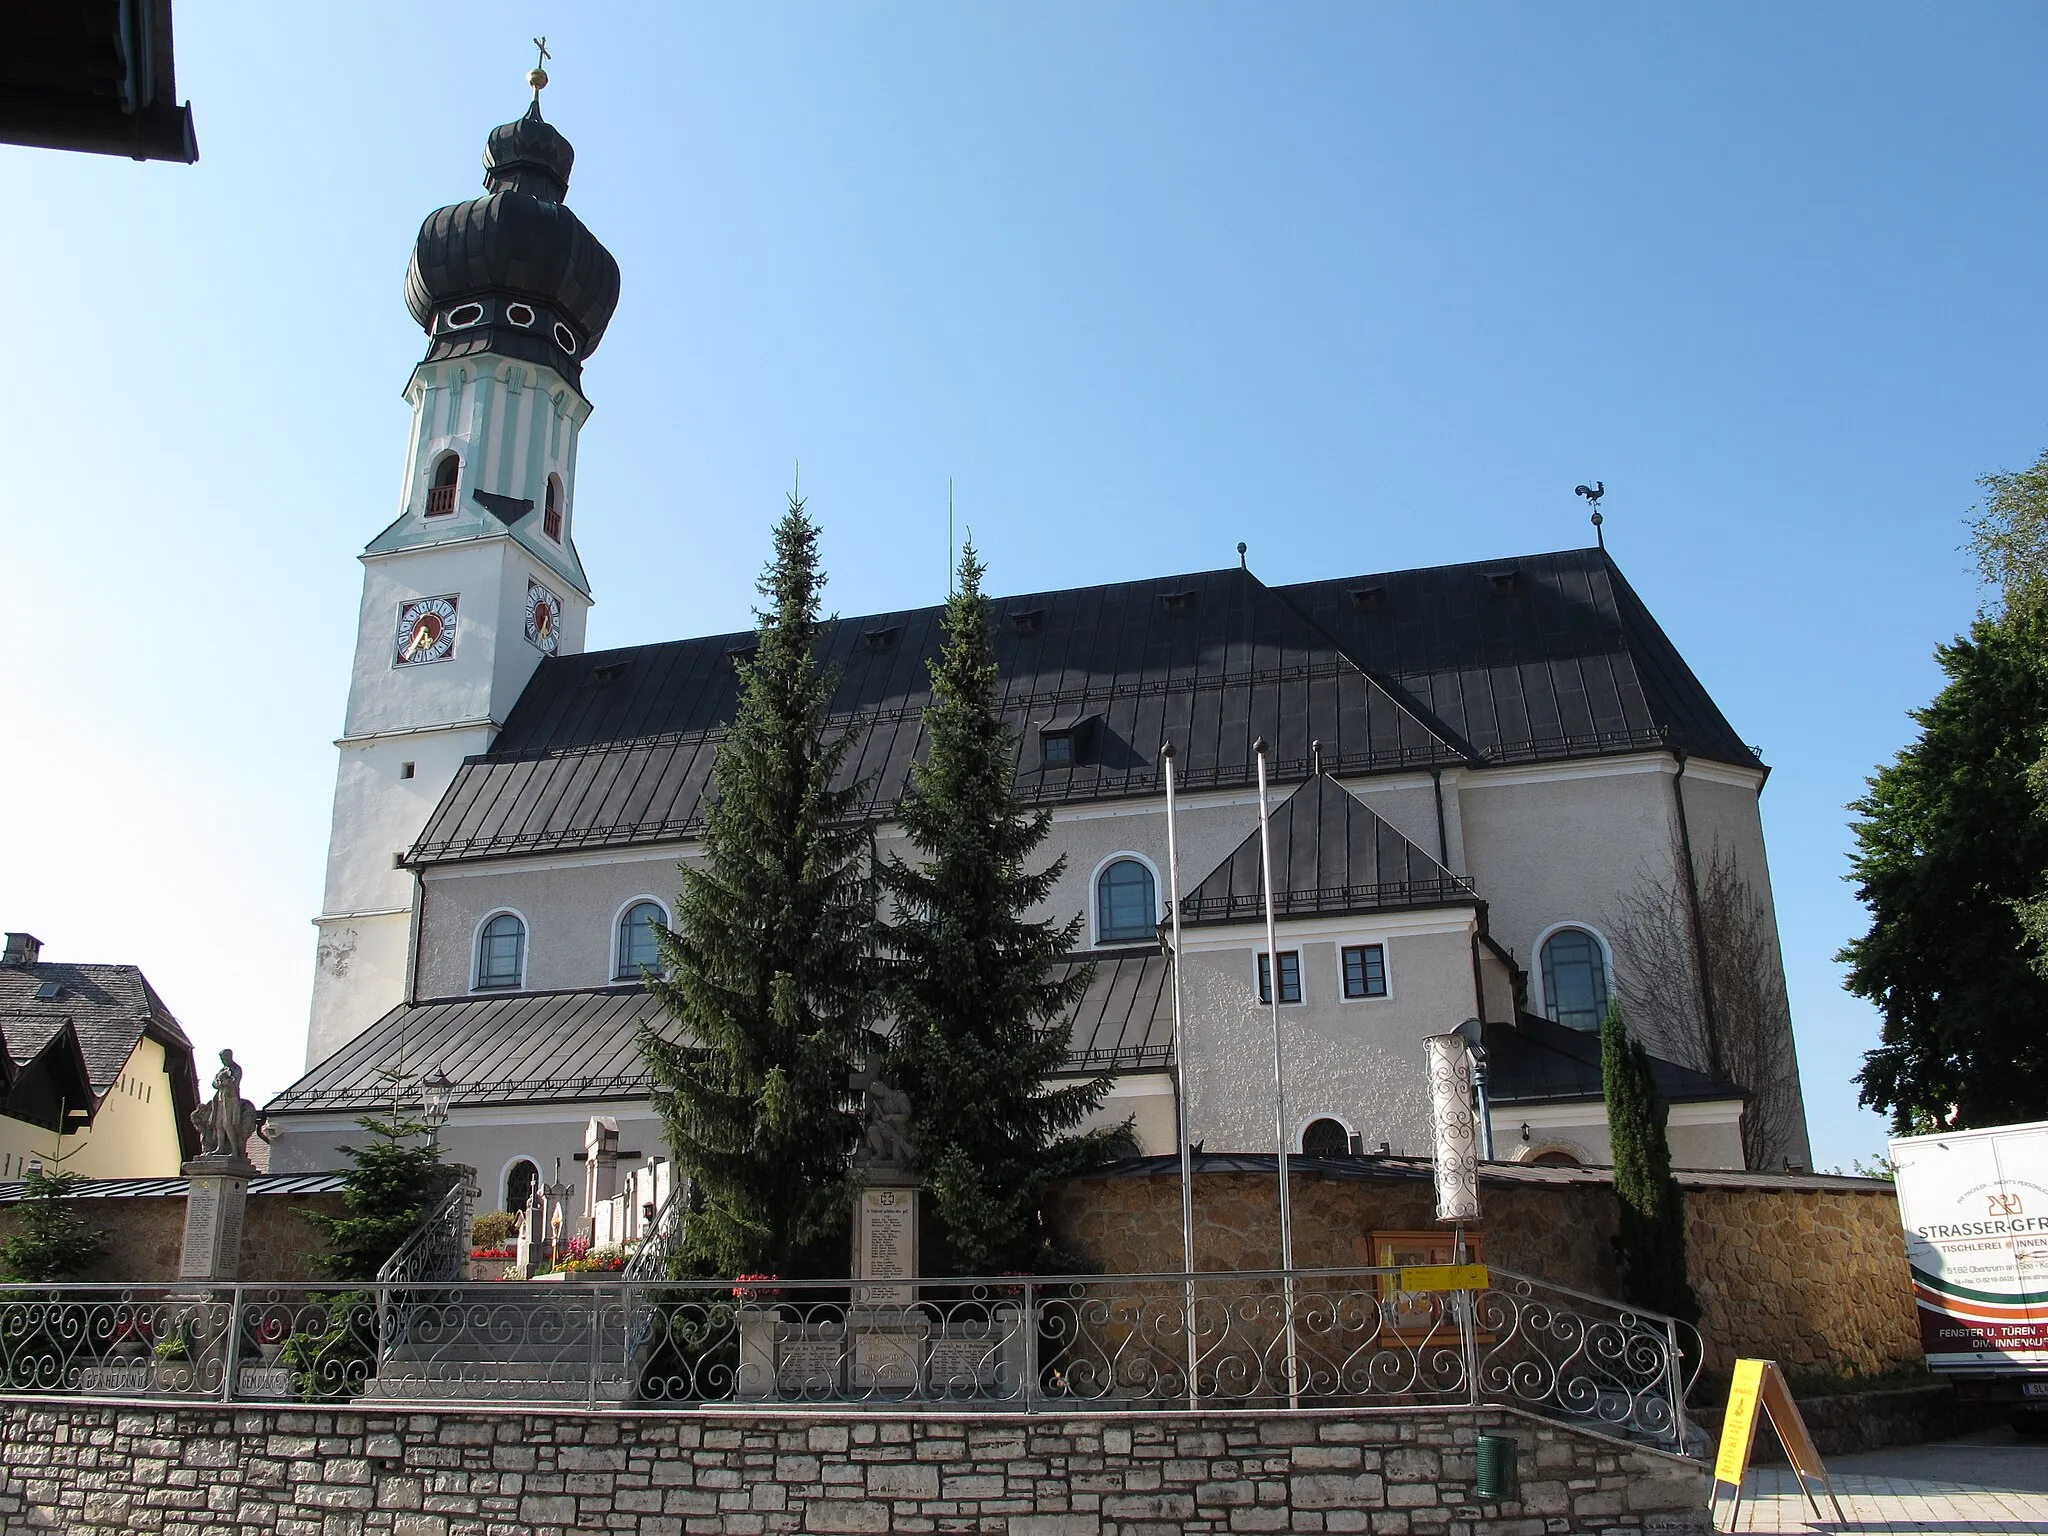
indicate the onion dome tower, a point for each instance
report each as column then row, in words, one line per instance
column 514, row 272
column 477, row 581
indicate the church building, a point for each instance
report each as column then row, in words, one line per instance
column 1475, row 770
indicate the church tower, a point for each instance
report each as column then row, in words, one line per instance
column 478, row 579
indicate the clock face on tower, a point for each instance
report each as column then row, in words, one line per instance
column 543, row 617
column 426, row 630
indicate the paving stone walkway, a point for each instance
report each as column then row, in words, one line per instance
column 1995, row 1481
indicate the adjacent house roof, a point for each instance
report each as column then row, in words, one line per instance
column 1331, row 854
column 1546, row 656
column 109, row 1009
column 583, row 1046
column 1536, row 1060
column 1536, row 657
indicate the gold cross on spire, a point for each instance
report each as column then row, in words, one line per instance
column 537, row 77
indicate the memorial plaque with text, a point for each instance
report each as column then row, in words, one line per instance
column 887, row 1248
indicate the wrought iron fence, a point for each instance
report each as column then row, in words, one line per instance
column 1270, row 1339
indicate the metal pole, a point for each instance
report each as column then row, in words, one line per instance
column 1279, row 1075
column 1180, row 1078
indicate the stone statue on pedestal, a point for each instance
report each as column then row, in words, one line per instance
column 887, row 1144
column 227, row 1120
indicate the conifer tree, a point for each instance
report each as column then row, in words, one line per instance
column 49, row 1241
column 767, row 972
column 1652, row 1226
column 980, row 1007
column 392, row 1183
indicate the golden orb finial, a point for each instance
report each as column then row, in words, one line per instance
column 537, row 77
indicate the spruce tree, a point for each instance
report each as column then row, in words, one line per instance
column 767, row 972
column 1652, row 1225
column 392, row 1183
column 980, row 1005
column 49, row 1241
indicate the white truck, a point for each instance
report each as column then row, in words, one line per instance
column 1975, row 1209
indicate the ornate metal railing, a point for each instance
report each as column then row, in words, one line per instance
column 657, row 1248
column 1139, row 1343
column 439, row 1246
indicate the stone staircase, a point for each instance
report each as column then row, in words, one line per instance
column 535, row 1343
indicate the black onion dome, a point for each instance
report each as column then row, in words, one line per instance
column 514, row 271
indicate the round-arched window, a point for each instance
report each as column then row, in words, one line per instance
column 500, row 952
column 441, row 491
column 521, row 1180
column 1574, row 978
column 636, row 940
column 1126, row 907
column 551, row 512
column 1325, row 1138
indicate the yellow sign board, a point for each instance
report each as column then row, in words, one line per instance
column 1444, row 1277
column 1760, row 1384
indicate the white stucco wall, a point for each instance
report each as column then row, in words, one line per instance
column 1359, row 1062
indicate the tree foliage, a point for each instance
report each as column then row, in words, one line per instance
column 1952, row 860
column 1661, row 996
column 391, row 1184
column 981, row 1007
column 49, row 1241
column 1651, row 1238
column 2009, row 535
column 768, row 971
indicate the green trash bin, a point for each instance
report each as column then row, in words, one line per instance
column 1497, row 1476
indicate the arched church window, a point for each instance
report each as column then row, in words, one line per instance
column 1574, row 978
column 1325, row 1138
column 551, row 516
column 636, row 939
column 441, row 492
column 1126, row 907
column 521, row 1180
column 500, row 952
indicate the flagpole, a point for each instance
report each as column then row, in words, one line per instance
column 1180, row 1075
column 1279, row 1075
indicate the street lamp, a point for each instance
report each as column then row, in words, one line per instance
column 436, row 1092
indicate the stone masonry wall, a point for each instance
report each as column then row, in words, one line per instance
column 183, row 1472
column 146, row 1236
column 1815, row 1279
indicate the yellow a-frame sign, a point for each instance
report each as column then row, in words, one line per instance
column 1759, row 1383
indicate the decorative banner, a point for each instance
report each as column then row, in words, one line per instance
column 1457, row 1138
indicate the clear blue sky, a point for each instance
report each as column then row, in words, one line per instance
column 1366, row 287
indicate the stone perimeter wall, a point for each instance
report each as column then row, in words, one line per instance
column 1814, row 1279
column 146, row 1236
column 182, row 1472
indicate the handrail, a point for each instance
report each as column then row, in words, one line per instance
column 439, row 1245
column 663, row 1237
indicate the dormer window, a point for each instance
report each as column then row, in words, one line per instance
column 551, row 513
column 1177, row 602
column 1066, row 740
column 1029, row 622
column 441, row 493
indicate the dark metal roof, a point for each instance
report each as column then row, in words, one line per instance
column 1549, row 656
column 616, row 747
column 87, row 75
column 178, row 1188
column 1543, row 656
column 569, row 1047
column 1537, row 1060
column 1124, row 1021
column 1331, row 855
